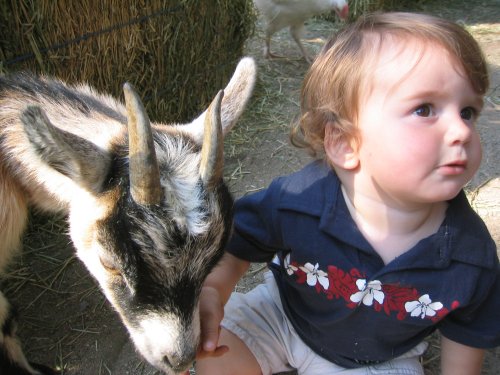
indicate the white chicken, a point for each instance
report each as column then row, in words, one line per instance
column 279, row 14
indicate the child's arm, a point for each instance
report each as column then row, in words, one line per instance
column 216, row 291
column 458, row 359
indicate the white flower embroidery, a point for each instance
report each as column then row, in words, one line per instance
column 368, row 292
column 315, row 276
column 423, row 307
column 290, row 269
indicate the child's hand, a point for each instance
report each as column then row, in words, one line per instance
column 216, row 291
column 211, row 314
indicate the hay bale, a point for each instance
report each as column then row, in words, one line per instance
column 178, row 53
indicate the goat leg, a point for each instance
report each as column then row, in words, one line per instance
column 44, row 370
column 12, row 359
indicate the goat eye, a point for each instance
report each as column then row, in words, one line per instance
column 109, row 265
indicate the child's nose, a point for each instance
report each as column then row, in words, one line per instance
column 459, row 131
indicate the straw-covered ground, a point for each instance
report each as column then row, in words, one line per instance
column 65, row 320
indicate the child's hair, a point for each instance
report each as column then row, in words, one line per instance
column 333, row 86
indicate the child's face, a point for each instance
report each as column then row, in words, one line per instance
column 417, row 125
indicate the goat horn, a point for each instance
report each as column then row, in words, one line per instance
column 212, row 150
column 144, row 174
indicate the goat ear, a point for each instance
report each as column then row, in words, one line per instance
column 67, row 153
column 236, row 96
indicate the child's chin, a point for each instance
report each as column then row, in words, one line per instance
column 450, row 194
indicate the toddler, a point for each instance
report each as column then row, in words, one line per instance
column 373, row 246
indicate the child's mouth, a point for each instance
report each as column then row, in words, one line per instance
column 454, row 168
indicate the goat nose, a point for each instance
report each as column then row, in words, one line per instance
column 179, row 363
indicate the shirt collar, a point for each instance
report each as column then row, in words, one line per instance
column 462, row 236
column 468, row 239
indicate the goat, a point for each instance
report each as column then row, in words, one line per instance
column 148, row 211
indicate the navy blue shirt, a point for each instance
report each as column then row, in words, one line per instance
column 344, row 302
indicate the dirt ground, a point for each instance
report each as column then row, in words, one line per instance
column 65, row 320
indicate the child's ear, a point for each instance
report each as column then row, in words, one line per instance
column 342, row 152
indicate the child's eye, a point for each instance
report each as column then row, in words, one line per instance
column 468, row 113
column 424, row 110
